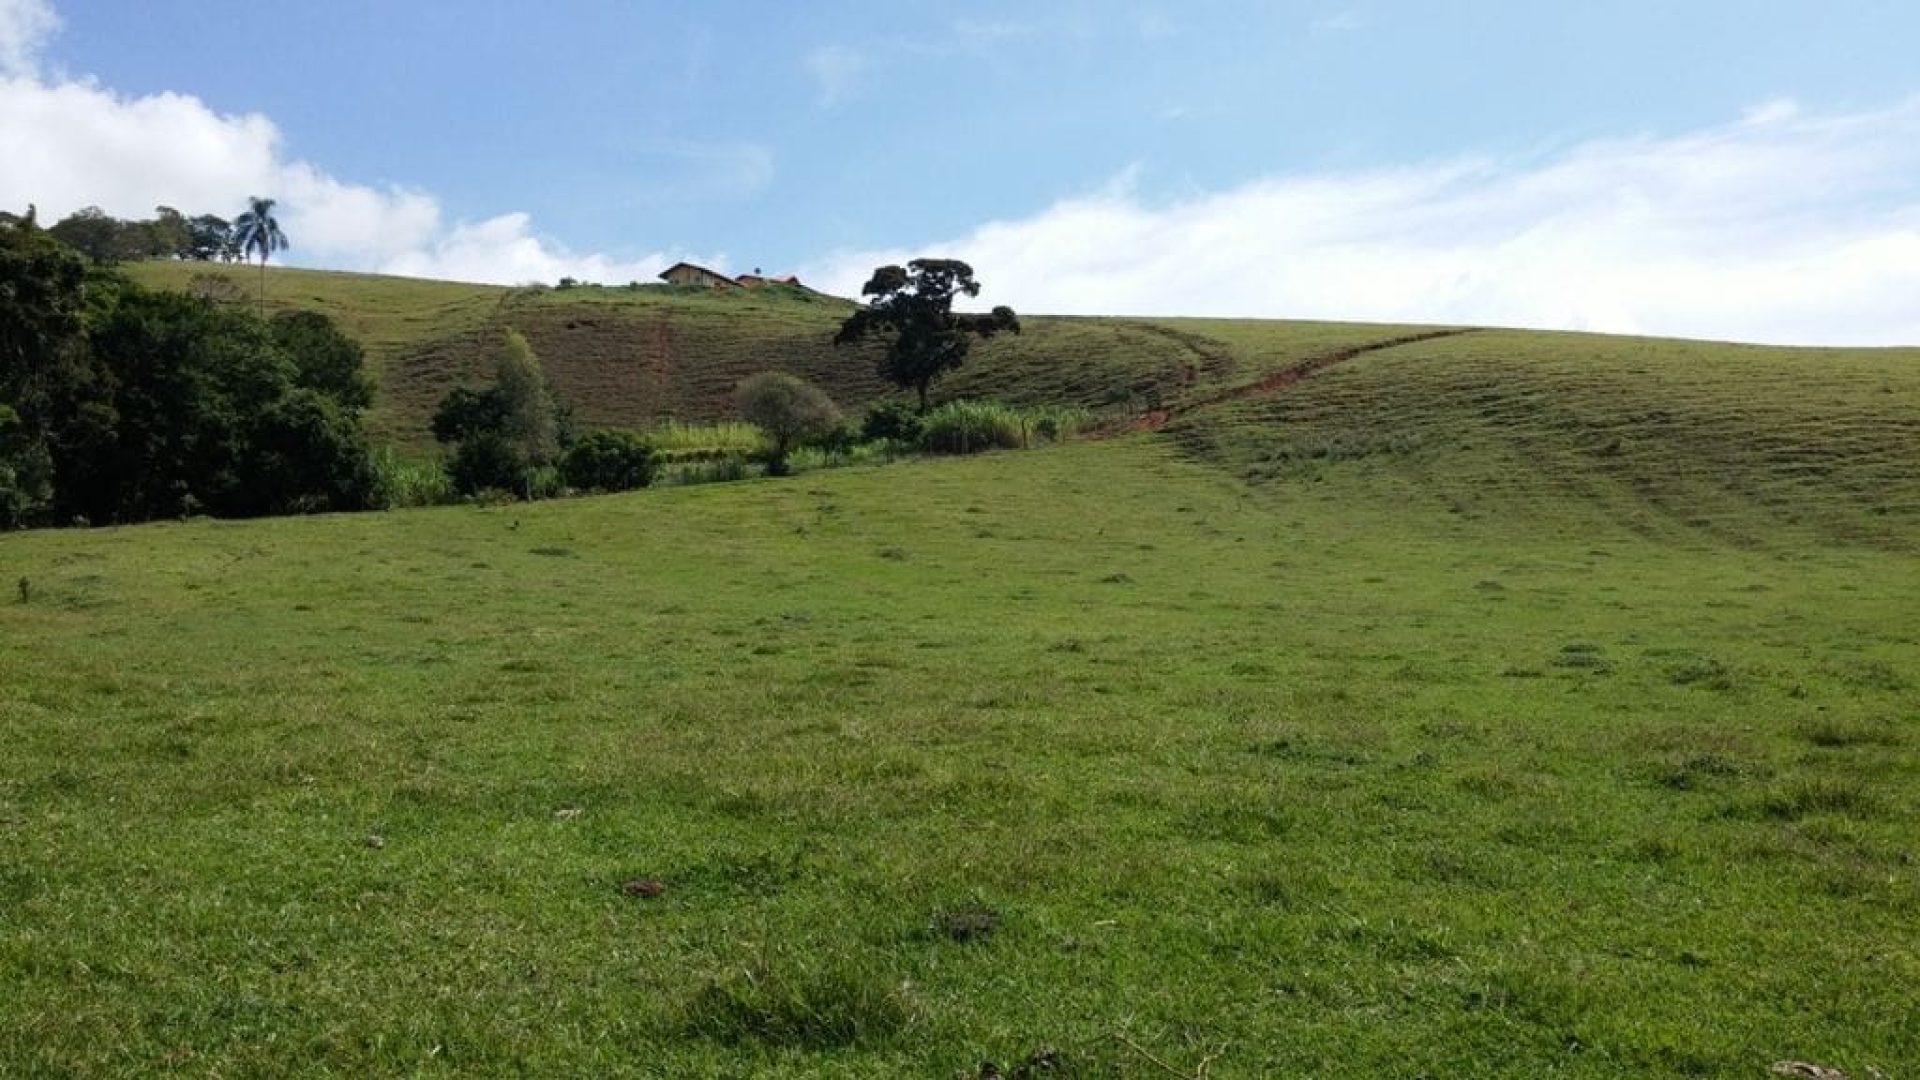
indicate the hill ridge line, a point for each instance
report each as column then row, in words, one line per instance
column 1267, row 385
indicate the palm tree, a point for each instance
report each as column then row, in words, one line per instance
column 256, row 230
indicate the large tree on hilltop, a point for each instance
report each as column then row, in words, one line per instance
column 914, row 308
column 257, row 230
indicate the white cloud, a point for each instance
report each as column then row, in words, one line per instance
column 70, row 143
column 24, row 26
column 1785, row 226
column 505, row 250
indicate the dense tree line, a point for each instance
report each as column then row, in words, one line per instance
column 169, row 234
column 119, row 403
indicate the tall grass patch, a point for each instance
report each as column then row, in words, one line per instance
column 812, row 458
column 722, row 469
column 970, row 427
column 676, row 440
column 403, row 483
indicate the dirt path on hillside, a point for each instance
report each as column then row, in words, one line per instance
column 660, row 352
column 1276, row 382
column 1204, row 356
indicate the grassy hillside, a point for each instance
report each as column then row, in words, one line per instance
column 1498, row 704
column 1744, row 442
column 1739, row 443
column 1096, row 749
column 622, row 356
column 1664, row 435
column 391, row 316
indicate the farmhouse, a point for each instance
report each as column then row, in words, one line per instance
column 688, row 274
column 756, row 279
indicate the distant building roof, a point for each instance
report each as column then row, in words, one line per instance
column 686, row 273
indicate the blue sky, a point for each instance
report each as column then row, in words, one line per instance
column 496, row 141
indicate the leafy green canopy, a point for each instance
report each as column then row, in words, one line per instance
column 125, row 404
column 505, row 434
column 609, row 460
column 913, row 308
column 169, row 234
column 328, row 360
column 789, row 409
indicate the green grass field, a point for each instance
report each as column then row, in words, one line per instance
column 1501, row 705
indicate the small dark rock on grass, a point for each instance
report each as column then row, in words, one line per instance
column 968, row 923
column 1039, row 1063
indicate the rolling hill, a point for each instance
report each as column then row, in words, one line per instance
column 631, row 356
column 1745, row 441
column 1488, row 704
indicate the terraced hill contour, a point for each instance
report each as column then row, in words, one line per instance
column 1738, row 441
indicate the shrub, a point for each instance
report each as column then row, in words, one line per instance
column 837, row 439
column 488, row 461
column 609, row 461
column 893, row 420
column 791, row 410
column 509, row 433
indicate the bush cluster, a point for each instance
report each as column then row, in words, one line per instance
column 894, row 421
column 507, row 436
column 124, row 404
column 609, row 460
